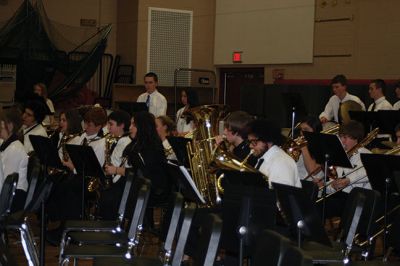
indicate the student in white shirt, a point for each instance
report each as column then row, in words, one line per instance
column 265, row 138
column 306, row 163
column 346, row 179
column 14, row 158
column 165, row 127
column 118, row 127
column 376, row 91
column 339, row 87
column 184, row 123
column 41, row 90
column 34, row 112
column 155, row 101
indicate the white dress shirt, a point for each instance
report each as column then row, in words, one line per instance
column 116, row 156
column 380, row 104
column 181, row 125
column 37, row 130
column 14, row 159
column 157, row 105
column 355, row 160
column 46, row 120
column 279, row 167
column 167, row 147
column 396, row 106
column 332, row 107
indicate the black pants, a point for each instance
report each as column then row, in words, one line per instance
column 334, row 205
column 110, row 200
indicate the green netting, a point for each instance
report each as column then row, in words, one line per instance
column 44, row 50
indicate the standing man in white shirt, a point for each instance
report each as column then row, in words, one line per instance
column 339, row 87
column 154, row 100
column 265, row 138
column 376, row 91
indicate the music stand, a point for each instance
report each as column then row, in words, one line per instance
column 178, row 145
column 188, row 188
column 132, row 107
column 328, row 151
column 48, row 156
column 302, row 213
column 86, row 164
column 368, row 119
column 248, row 208
column 381, row 169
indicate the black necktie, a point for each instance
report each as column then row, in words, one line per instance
column 259, row 163
column 340, row 113
column 148, row 100
column 373, row 107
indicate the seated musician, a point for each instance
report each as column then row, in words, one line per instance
column 339, row 87
column 14, row 158
column 66, row 192
column 35, row 111
column 235, row 131
column 184, row 123
column 306, row 164
column 396, row 105
column 94, row 120
column 41, row 90
column 346, row 179
column 376, row 91
column 397, row 132
column 165, row 127
column 146, row 153
column 265, row 138
column 118, row 127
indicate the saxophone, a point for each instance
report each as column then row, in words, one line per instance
column 110, row 142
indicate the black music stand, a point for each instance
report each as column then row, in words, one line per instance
column 178, row 145
column 248, row 208
column 132, row 107
column 301, row 213
column 48, row 156
column 86, row 164
column 327, row 151
column 382, row 170
column 368, row 119
column 188, row 188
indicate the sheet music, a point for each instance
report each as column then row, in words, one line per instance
column 192, row 184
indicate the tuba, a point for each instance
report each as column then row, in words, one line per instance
column 201, row 150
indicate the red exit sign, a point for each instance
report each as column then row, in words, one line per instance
column 237, row 57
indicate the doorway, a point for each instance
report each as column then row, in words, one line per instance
column 234, row 80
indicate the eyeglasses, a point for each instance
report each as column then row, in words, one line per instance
column 253, row 141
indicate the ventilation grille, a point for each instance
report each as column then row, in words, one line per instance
column 170, row 44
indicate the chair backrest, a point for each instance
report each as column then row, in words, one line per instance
column 273, row 249
column 183, row 234
column 372, row 210
column 32, row 184
column 137, row 219
column 7, row 194
column 173, row 217
column 125, row 195
column 310, row 188
column 40, row 195
column 5, row 257
column 267, row 249
column 208, row 241
column 355, row 200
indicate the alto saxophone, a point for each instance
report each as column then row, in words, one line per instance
column 111, row 141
